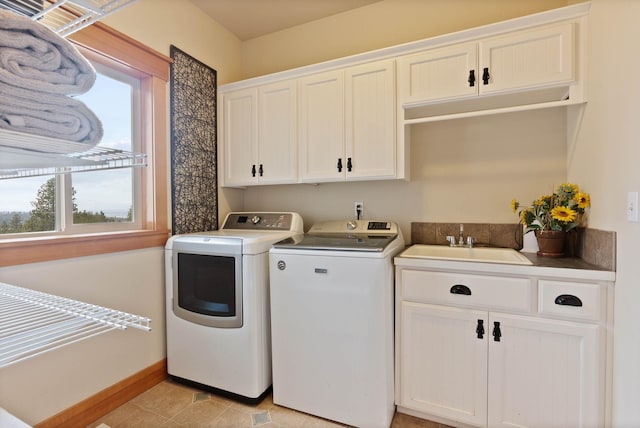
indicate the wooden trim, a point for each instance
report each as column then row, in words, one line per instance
column 106, row 41
column 33, row 250
column 105, row 401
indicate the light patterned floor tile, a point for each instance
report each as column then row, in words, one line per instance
column 173, row 405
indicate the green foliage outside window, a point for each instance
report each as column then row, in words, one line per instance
column 43, row 215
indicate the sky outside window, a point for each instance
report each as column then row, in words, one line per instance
column 106, row 191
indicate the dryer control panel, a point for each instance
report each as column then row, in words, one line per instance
column 260, row 221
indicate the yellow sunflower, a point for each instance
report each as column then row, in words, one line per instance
column 514, row 205
column 564, row 214
column 583, row 200
column 568, row 188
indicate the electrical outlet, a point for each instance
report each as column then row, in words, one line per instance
column 358, row 208
column 632, row 207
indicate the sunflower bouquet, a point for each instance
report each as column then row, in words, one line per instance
column 563, row 210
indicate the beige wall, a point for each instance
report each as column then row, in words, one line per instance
column 382, row 24
column 132, row 281
column 606, row 161
column 466, row 170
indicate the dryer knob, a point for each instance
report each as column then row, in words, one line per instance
column 351, row 225
column 256, row 219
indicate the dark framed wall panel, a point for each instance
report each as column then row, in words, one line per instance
column 194, row 180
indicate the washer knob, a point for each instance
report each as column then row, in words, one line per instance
column 351, row 225
column 256, row 219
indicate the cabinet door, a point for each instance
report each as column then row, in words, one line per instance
column 277, row 145
column 528, row 59
column 443, row 364
column 370, row 121
column 239, row 136
column 438, row 74
column 321, row 127
column 545, row 373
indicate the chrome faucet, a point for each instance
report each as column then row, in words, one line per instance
column 461, row 241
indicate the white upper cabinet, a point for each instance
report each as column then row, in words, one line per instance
column 321, row 128
column 347, row 124
column 438, row 74
column 259, row 138
column 349, row 119
column 527, row 59
column 240, row 125
column 277, row 139
column 516, row 61
column 370, row 133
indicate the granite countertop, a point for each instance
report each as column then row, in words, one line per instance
column 561, row 262
column 568, row 268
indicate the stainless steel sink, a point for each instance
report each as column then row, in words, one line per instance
column 475, row 254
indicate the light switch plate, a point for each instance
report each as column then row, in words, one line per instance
column 632, row 207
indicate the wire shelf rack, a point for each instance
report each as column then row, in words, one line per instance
column 24, row 155
column 32, row 322
column 66, row 16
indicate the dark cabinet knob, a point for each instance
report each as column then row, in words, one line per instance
column 480, row 329
column 472, row 78
column 497, row 334
column 339, row 165
column 349, row 164
column 260, row 170
column 486, row 76
column 253, row 170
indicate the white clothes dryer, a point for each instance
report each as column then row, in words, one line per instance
column 217, row 303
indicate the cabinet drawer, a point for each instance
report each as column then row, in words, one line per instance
column 571, row 299
column 450, row 288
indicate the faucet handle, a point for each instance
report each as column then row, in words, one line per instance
column 452, row 240
column 470, row 241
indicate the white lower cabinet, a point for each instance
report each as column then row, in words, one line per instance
column 465, row 362
column 443, row 367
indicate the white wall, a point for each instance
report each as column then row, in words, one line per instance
column 606, row 163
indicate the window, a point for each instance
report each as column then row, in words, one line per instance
column 101, row 211
column 85, row 202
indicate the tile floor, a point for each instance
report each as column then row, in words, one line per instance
column 172, row 405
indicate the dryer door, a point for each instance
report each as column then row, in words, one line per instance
column 207, row 284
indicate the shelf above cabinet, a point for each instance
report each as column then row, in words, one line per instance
column 24, row 155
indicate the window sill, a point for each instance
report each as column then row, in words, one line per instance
column 34, row 250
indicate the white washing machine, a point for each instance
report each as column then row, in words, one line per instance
column 217, row 303
column 332, row 295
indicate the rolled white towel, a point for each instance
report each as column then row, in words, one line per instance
column 48, row 115
column 33, row 56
